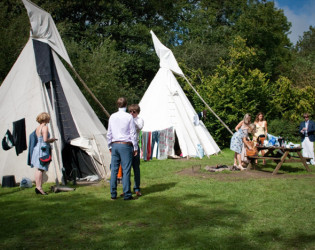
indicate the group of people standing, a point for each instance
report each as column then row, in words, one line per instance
column 123, row 142
column 240, row 140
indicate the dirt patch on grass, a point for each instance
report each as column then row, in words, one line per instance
column 238, row 175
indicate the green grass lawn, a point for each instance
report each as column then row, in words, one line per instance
column 175, row 212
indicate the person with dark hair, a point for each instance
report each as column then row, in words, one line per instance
column 307, row 129
column 134, row 110
column 41, row 149
column 261, row 130
column 122, row 143
column 261, row 125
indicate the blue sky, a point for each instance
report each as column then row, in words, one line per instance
column 301, row 14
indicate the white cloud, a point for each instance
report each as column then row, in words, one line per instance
column 301, row 18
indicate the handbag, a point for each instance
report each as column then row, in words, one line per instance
column 45, row 160
column 253, row 151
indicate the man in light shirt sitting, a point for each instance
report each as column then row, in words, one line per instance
column 122, row 142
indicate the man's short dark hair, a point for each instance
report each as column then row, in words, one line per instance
column 122, row 102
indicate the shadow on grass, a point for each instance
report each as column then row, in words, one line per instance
column 158, row 187
column 88, row 219
column 91, row 220
column 10, row 190
column 285, row 168
column 276, row 235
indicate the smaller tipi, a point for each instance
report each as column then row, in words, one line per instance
column 165, row 106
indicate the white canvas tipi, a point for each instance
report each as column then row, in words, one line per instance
column 39, row 82
column 165, row 105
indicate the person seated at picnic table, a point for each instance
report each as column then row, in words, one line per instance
column 261, row 130
column 240, row 139
column 244, row 124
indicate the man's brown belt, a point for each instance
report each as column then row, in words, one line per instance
column 122, row 142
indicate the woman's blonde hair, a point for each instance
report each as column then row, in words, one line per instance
column 43, row 117
column 251, row 128
column 247, row 118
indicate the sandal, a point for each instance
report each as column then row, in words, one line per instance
column 241, row 168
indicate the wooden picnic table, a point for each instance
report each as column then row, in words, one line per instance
column 279, row 155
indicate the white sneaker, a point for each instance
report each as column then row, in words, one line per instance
column 241, row 168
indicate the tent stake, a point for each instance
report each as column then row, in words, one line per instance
column 90, row 92
column 208, row 106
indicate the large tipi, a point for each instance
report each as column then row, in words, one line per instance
column 165, row 105
column 37, row 82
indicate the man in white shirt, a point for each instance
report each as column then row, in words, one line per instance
column 307, row 129
column 122, row 142
column 134, row 110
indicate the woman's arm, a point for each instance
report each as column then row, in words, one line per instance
column 247, row 143
column 266, row 129
column 239, row 126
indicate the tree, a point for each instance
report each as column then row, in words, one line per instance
column 265, row 28
column 100, row 75
column 14, row 32
column 302, row 71
column 236, row 88
column 205, row 32
column 291, row 102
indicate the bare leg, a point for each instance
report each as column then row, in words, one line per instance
column 39, row 179
column 235, row 159
column 264, row 160
column 239, row 158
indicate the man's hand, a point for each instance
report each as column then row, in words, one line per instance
column 135, row 153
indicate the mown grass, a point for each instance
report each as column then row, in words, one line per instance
column 175, row 212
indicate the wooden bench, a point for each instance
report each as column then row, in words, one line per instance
column 280, row 158
column 308, row 159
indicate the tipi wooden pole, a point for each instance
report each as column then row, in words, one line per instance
column 90, row 92
column 56, row 155
column 208, row 106
column 57, row 151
